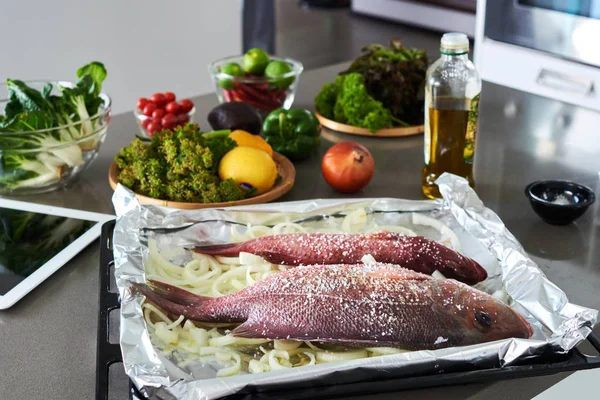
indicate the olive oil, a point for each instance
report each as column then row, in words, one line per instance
column 451, row 113
column 450, row 147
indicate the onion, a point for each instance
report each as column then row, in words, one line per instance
column 348, row 167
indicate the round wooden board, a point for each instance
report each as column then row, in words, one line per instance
column 285, row 168
column 353, row 130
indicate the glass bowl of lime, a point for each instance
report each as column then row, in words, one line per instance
column 265, row 82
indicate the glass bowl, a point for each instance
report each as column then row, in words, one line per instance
column 43, row 160
column 264, row 94
column 143, row 120
column 559, row 202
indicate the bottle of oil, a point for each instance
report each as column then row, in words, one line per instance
column 451, row 111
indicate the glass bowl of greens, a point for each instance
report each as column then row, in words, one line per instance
column 51, row 131
column 256, row 78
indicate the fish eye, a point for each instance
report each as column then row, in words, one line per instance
column 483, row 319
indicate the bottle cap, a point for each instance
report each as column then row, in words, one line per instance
column 454, row 43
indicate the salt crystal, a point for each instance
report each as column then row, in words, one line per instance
column 561, row 200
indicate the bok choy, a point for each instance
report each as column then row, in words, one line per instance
column 43, row 133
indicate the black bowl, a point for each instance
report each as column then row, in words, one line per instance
column 559, row 202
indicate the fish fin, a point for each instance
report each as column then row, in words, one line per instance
column 176, row 295
column 159, row 300
column 248, row 329
column 392, row 271
column 227, row 249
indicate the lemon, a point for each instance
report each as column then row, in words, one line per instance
column 243, row 138
column 250, row 168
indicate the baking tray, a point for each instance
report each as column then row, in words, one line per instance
column 546, row 364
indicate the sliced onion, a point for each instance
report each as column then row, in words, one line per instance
column 251, row 259
column 255, row 367
column 311, row 359
column 275, row 356
column 384, row 351
column 329, row 356
column 228, row 260
column 286, row 344
column 234, row 369
column 446, row 232
column 200, row 336
column 165, row 334
column 368, row 259
column 437, row 275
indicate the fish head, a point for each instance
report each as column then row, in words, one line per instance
column 485, row 319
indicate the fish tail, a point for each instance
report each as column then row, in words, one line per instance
column 464, row 269
column 228, row 249
column 177, row 295
column 174, row 300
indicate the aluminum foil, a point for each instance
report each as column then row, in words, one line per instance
column 558, row 324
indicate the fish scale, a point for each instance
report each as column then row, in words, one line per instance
column 370, row 305
column 413, row 252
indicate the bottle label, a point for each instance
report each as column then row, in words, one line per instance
column 471, row 134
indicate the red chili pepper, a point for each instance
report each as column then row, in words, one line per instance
column 257, row 96
column 254, row 102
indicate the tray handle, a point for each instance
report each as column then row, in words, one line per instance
column 106, row 353
column 594, row 340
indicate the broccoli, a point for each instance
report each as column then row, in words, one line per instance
column 348, row 102
column 178, row 165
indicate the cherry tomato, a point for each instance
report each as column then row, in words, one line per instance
column 145, row 123
column 158, row 113
column 186, row 105
column 159, row 99
column 142, row 101
column 173, row 108
column 152, row 129
column 170, row 96
column 149, row 109
column 157, row 121
column 182, row 119
column 169, row 121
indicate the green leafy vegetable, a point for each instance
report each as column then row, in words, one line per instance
column 395, row 76
column 179, row 165
column 353, row 105
column 67, row 119
column 382, row 88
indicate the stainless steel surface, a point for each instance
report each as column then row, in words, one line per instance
column 437, row 15
column 563, row 34
column 318, row 37
column 48, row 339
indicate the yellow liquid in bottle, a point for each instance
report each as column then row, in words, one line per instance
column 450, row 143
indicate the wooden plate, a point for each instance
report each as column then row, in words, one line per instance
column 354, row 130
column 285, row 168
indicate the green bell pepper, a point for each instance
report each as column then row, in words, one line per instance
column 294, row 133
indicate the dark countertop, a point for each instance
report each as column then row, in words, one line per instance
column 48, row 339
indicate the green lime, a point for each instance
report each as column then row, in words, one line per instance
column 232, row 69
column 254, row 61
column 276, row 69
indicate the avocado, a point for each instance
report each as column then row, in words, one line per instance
column 235, row 115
